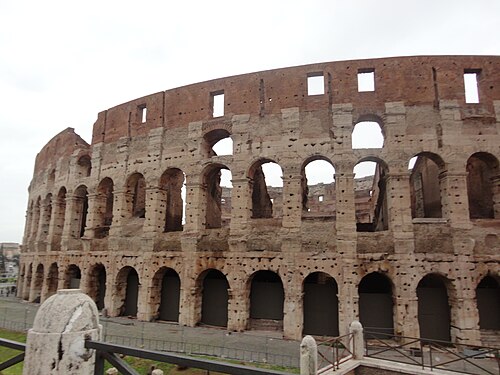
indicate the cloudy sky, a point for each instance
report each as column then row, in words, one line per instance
column 61, row 61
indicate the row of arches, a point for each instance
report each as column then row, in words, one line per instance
column 265, row 294
column 426, row 188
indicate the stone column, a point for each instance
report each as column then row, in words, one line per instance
column 121, row 211
column 292, row 319
column 454, row 199
column 155, row 211
column 238, row 309
column 241, row 204
column 195, row 206
column 55, row 344
column 93, row 215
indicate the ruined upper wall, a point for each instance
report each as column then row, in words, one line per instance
column 63, row 144
column 411, row 80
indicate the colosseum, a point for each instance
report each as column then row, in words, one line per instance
column 153, row 222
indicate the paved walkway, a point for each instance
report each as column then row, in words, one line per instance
column 257, row 346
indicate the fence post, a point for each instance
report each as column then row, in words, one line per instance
column 358, row 345
column 55, row 344
column 308, row 356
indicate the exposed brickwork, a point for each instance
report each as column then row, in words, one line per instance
column 118, row 203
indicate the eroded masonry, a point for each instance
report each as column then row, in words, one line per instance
column 151, row 221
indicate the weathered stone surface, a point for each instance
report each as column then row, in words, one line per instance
column 140, row 222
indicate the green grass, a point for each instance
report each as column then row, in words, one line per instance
column 140, row 365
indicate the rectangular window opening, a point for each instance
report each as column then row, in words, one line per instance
column 142, row 113
column 321, row 198
column 471, row 88
column 218, row 104
column 315, row 84
column 366, row 80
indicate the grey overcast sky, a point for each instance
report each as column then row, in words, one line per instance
column 61, row 62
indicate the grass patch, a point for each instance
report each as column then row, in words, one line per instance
column 6, row 353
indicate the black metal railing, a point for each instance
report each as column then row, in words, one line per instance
column 433, row 354
column 334, row 351
column 109, row 352
column 17, row 358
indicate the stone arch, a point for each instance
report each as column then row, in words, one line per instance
column 172, row 182
column 36, row 289
column 488, row 302
column 267, row 298
column 376, row 305
column 59, row 217
column 434, row 315
column 216, row 216
column 165, row 295
column 136, row 190
column 45, row 217
column 80, row 210
column 84, row 166
column 35, row 219
column 96, row 284
column 104, row 207
column 321, row 305
column 368, row 132
column 267, row 201
column 370, row 191
column 483, row 186
column 72, row 277
column 127, row 291
column 318, row 191
column 52, row 280
column 212, row 138
column 214, row 293
column 425, row 185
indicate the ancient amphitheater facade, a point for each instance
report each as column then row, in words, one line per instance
column 138, row 219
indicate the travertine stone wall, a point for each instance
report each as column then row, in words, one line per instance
column 117, row 202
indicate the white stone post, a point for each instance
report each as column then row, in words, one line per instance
column 308, row 356
column 55, row 344
column 358, row 343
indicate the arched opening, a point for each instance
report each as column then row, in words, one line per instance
column 37, row 285
column 214, row 298
column 321, row 305
column 488, row 303
column 318, row 188
column 84, row 166
column 483, row 186
column 172, row 183
column 217, row 142
column 370, row 196
column 127, row 287
column 425, row 186
column 96, row 284
column 36, row 219
column 27, row 284
column 433, row 308
column 45, row 216
column 72, row 277
column 376, row 305
column 136, row 188
column 367, row 134
column 267, row 298
column 167, row 284
column 59, row 217
column 80, row 208
column 267, row 189
column 52, row 279
column 104, row 207
column 217, row 183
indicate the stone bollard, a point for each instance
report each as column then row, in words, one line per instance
column 112, row 371
column 308, row 356
column 358, row 346
column 157, row 372
column 55, row 344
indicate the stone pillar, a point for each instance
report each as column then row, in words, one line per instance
column 195, row 206
column 93, row 215
column 121, row 211
column 155, row 211
column 55, row 344
column 292, row 200
column 241, row 204
column 69, row 219
column 454, row 199
column 348, row 298
column 292, row 319
column 308, row 356
column 358, row 342
column 238, row 309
